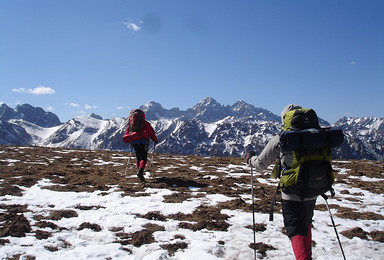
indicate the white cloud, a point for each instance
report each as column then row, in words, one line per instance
column 353, row 62
column 89, row 106
column 40, row 90
column 86, row 106
column 131, row 26
column 50, row 108
column 73, row 105
column 19, row 90
column 122, row 107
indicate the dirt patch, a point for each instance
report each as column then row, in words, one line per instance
column 261, row 248
column 153, row 215
column 172, row 248
column 362, row 168
column 236, row 204
column 4, row 241
column 355, row 232
column 46, row 224
column 40, row 234
column 179, row 197
column 59, row 214
column 92, row 226
column 360, row 233
column 349, row 213
column 377, row 236
column 259, row 227
column 204, row 217
column 15, row 226
column 139, row 238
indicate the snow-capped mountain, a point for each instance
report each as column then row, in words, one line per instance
column 365, row 137
column 26, row 112
column 207, row 129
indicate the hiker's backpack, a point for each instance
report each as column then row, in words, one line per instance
column 136, row 131
column 136, row 120
column 305, row 166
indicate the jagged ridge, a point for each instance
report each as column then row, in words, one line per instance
column 207, row 129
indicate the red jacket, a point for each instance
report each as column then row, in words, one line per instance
column 147, row 132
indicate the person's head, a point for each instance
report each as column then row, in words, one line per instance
column 287, row 109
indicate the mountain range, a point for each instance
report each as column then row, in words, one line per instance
column 207, row 129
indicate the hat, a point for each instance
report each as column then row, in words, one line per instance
column 288, row 108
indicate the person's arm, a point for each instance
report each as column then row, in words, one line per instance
column 150, row 131
column 267, row 156
column 126, row 136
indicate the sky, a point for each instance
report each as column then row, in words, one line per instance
column 107, row 57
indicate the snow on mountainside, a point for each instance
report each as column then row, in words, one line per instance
column 26, row 112
column 207, row 129
column 365, row 137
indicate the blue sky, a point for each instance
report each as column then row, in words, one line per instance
column 106, row 57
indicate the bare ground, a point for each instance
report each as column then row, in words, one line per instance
column 83, row 170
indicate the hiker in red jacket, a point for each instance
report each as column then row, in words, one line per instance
column 137, row 134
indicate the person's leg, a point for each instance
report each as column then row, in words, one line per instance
column 141, row 160
column 309, row 238
column 300, row 247
column 144, row 154
column 297, row 217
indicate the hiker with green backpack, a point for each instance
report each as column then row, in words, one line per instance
column 137, row 134
column 303, row 150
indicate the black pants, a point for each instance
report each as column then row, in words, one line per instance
column 141, row 150
column 297, row 216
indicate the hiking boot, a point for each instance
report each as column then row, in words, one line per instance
column 140, row 174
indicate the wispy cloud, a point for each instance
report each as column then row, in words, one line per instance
column 40, row 90
column 19, row 90
column 86, row 106
column 89, row 106
column 353, row 62
column 50, row 108
column 72, row 104
column 122, row 107
column 133, row 26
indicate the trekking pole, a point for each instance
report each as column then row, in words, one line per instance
column 333, row 223
column 253, row 215
column 154, row 147
column 129, row 159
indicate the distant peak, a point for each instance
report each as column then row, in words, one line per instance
column 207, row 102
column 151, row 105
column 93, row 115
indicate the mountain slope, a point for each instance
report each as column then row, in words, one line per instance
column 207, row 129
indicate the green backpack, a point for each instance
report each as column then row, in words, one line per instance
column 305, row 166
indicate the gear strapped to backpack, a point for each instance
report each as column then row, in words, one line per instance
column 305, row 166
column 136, row 120
column 136, row 125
